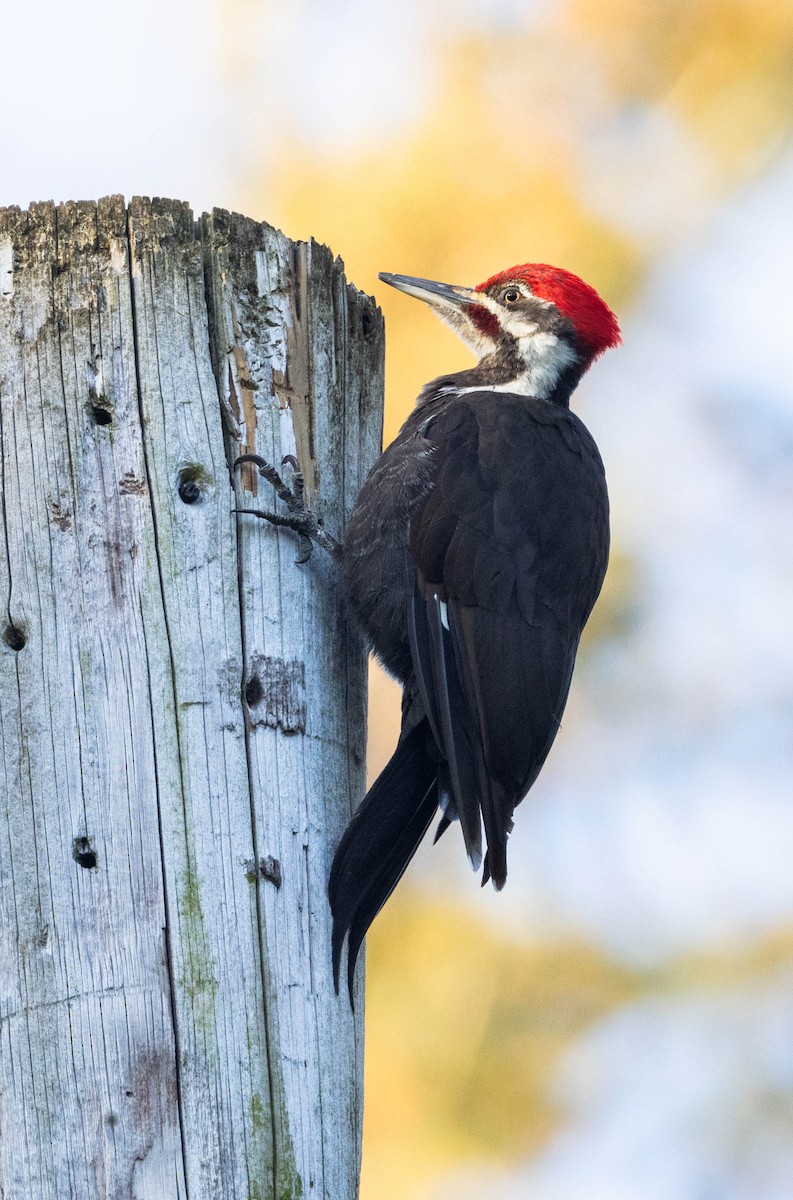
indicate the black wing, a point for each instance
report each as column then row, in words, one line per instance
column 510, row 549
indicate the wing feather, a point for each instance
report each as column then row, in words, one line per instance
column 513, row 539
column 448, row 713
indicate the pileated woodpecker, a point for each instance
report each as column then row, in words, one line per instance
column 473, row 557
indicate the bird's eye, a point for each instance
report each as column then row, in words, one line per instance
column 511, row 295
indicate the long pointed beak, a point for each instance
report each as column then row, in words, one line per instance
column 440, row 295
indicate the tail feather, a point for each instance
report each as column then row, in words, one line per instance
column 379, row 842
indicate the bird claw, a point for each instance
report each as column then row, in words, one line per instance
column 299, row 518
column 306, row 550
column 292, row 497
column 297, row 478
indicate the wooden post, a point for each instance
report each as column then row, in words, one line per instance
column 182, row 708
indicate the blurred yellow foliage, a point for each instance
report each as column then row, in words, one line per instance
column 725, row 66
column 465, row 1028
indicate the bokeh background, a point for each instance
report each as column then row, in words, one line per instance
column 618, row 1024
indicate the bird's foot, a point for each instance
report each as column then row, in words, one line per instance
column 302, row 520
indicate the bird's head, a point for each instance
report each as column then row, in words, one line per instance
column 535, row 328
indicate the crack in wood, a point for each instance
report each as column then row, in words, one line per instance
column 137, row 722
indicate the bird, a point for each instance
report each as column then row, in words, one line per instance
column 472, row 559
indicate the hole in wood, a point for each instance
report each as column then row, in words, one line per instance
column 189, row 491
column 367, row 322
column 192, row 483
column 83, row 853
column 14, row 638
column 253, row 691
column 101, row 416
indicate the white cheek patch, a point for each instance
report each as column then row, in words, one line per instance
column 521, row 327
column 546, row 357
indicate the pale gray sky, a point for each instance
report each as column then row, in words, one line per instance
column 100, row 98
column 187, row 98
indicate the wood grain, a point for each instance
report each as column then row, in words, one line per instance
column 182, row 709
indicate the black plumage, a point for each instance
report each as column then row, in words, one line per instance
column 474, row 595
column 473, row 556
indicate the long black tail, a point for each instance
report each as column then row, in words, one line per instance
column 380, row 841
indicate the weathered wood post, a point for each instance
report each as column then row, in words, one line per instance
column 182, row 709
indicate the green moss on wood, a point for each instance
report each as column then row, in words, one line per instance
column 198, row 978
